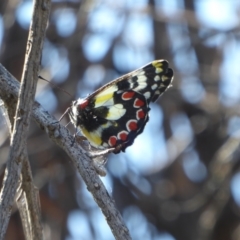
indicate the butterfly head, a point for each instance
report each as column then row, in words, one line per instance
column 77, row 110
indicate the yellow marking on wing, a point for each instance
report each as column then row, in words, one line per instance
column 93, row 137
column 108, row 124
column 164, row 78
column 158, row 66
column 105, row 97
column 104, row 100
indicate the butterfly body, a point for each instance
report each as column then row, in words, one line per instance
column 115, row 114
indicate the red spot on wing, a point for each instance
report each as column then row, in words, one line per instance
column 112, row 141
column 83, row 104
column 128, row 95
column 138, row 103
column 123, row 135
column 140, row 114
column 132, row 125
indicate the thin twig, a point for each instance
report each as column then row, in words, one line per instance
column 29, row 204
column 23, row 112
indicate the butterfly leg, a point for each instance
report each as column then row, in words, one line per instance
column 94, row 154
column 74, row 137
column 67, row 111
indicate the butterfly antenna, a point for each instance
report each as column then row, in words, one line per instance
column 40, row 77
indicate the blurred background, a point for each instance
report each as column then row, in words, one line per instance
column 180, row 180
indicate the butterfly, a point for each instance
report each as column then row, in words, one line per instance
column 115, row 114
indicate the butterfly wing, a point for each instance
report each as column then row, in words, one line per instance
column 151, row 80
column 115, row 114
column 124, row 120
column 113, row 124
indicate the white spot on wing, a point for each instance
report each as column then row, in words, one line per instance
column 115, row 112
column 147, row 95
column 158, row 70
column 141, row 86
column 131, row 83
column 154, row 86
column 142, row 78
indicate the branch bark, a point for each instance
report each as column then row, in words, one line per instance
column 29, row 204
column 9, row 88
column 27, row 91
column 28, row 198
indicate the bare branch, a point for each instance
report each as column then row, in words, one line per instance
column 60, row 135
column 23, row 112
column 28, row 199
